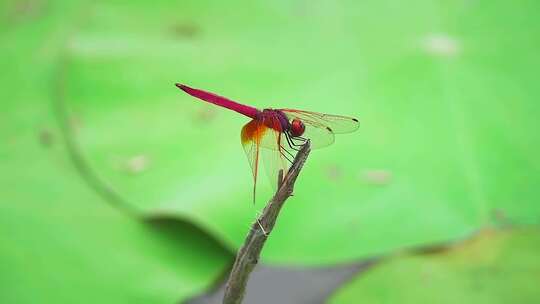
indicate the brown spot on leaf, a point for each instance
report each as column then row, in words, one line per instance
column 185, row 30
column 23, row 10
column 205, row 114
column 46, row 138
column 376, row 176
column 500, row 217
column 137, row 164
column 334, row 172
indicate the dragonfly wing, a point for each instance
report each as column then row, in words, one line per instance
column 337, row 123
column 264, row 142
column 251, row 141
column 319, row 136
column 261, row 142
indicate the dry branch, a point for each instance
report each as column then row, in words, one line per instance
column 248, row 255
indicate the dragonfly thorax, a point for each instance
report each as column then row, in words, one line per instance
column 275, row 119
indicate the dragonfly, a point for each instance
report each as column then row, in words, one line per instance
column 274, row 136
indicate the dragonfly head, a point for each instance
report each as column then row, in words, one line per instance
column 297, row 128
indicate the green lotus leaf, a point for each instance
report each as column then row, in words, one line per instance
column 61, row 241
column 446, row 94
column 493, row 267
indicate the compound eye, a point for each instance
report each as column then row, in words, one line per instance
column 297, row 128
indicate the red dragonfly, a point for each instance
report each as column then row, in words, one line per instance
column 280, row 132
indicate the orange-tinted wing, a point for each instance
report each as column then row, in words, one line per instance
column 251, row 137
column 261, row 141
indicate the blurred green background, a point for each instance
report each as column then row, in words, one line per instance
column 115, row 187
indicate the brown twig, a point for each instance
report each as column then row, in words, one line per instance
column 248, row 255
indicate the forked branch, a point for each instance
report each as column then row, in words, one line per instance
column 248, row 255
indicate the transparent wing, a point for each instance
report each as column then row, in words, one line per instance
column 337, row 123
column 318, row 133
column 319, row 136
column 277, row 155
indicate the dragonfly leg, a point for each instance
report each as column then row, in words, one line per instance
column 301, row 141
column 289, row 157
column 291, row 143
